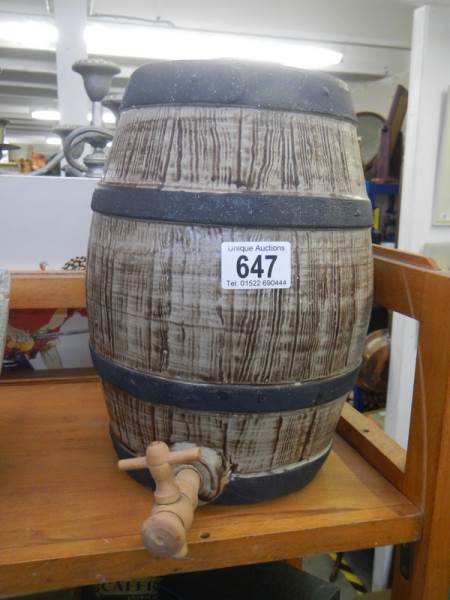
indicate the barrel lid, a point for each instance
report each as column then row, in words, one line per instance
column 236, row 83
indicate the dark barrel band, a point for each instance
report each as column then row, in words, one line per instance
column 223, row 397
column 238, row 83
column 232, row 209
column 244, row 490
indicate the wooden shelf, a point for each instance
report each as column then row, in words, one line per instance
column 69, row 517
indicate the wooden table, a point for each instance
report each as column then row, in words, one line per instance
column 69, row 517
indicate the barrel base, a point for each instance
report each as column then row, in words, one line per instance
column 246, row 489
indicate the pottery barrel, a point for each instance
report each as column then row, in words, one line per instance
column 229, row 277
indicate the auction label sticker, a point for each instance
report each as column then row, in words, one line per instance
column 252, row 265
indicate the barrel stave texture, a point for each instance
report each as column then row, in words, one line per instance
column 251, row 442
column 156, row 304
column 227, row 149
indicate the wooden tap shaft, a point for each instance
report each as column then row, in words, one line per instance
column 164, row 532
column 185, row 456
column 177, row 457
column 131, row 464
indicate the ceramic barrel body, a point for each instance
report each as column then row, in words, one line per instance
column 229, row 273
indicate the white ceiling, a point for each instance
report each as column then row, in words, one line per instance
column 374, row 36
column 369, row 21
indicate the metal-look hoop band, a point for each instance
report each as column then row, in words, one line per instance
column 223, row 397
column 244, row 210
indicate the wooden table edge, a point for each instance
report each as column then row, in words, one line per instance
column 204, row 554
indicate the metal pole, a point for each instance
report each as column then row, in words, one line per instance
column 71, row 20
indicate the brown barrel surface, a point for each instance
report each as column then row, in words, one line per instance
column 213, row 165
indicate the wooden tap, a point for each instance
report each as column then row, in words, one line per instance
column 175, row 497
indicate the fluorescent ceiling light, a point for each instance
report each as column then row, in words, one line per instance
column 23, row 139
column 45, row 115
column 173, row 44
column 54, row 115
column 53, row 141
column 139, row 41
column 29, row 34
column 108, row 116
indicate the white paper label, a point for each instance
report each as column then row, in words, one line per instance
column 253, row 265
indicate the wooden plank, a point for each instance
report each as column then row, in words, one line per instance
column 409, row 258
column 421, row 291
column 428, row 457
column 58, row 289
column 62, row 289
column 69, row 517
column 371, row 442
column 75, row 375
column 400, row 286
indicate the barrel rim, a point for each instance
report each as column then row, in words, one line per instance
column 243, row 209
column 232, row 82
column 216, row 397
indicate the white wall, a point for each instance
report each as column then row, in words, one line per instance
column 47, row 219
column 376, row 96
column 429, row 80
column 43, row 219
